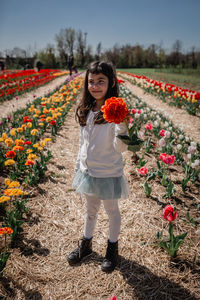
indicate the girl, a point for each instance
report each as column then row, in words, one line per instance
column 99, row 167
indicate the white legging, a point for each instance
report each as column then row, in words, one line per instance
column 111, row 208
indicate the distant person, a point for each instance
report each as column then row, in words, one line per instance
column 71, row 66
column 2, row 65
column 39, row 65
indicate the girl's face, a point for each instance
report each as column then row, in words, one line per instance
column 98, row 85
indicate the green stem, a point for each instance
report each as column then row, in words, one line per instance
column 127, row 128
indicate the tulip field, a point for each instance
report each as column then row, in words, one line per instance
column 42, row 217
column 16, row 83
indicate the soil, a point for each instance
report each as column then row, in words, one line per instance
column 38, row 269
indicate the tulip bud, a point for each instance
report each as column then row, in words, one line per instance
column 179, row 146
column 191, row 149
column 137, row 115
column 156, row 124
column 167, row 134
column 162, row 142
column 187, row 138
column 181, row 137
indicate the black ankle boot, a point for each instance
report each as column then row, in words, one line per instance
column 111, row 259
column 84, row 249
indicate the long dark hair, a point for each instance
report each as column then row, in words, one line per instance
column 87, row 101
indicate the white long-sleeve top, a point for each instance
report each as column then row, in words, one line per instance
column 100, row 150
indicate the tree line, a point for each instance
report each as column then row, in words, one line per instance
column 71, row 42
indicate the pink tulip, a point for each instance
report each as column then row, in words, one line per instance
column 148, row 126
column 139, row 111
column 142, row 171
column 162, row 142
column 167, row 159
column 133, row 111
column 169, row 214
column 131, row 120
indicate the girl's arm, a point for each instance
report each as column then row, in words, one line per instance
column 77, row 165
column 120, row 129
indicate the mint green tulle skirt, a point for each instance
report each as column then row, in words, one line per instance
column 103, row 188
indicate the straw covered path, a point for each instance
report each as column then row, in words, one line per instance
column 37, row 268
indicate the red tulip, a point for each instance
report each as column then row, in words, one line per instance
column 162, row 132
column 169, row 214
column 142, row 171
column 148, row 126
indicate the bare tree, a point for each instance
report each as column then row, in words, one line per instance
column 80, row 47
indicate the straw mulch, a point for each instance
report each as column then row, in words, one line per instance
column 37, row 267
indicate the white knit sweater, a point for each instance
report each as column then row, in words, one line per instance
column 100, row 150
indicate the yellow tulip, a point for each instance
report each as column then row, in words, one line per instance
column 13, row 131
column 29, row 151
column 4, row 136
column 4, row 199
column 9, row 162
column 34, row 132
column 32, row 156
column 14, row 184
column 7, row 181
column 19, row 129
column 9, row 142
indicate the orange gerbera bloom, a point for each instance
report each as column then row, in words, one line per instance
column 114, row 110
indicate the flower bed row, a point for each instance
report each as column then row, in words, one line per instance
column 24, row 156
column 169, row 162
column 17, row 83
column 170, row 93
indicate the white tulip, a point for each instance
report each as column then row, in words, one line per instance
column 187, row 138
column 193, row 144
column 167, row 134
column 140, row 135
column 161, row 142
column 179, row 146
column 181, row 137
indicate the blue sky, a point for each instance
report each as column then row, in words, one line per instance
column 35, row 23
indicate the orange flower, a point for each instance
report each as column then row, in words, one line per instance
column 114, row 110
column 19, row 142
column 29, row 162
column 20, row 148
column 6, row 230
column 10, row 154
